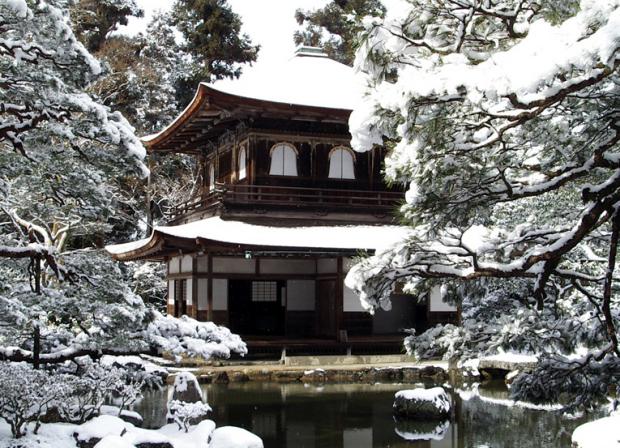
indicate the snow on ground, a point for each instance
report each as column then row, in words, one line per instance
column 232, row 437
column 435, row 395
column 117, row 433
column 602, row 433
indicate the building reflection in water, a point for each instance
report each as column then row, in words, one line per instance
column 360, row 416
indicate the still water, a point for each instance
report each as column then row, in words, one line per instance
column 360, row 416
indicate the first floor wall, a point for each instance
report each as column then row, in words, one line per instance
column 293, row 297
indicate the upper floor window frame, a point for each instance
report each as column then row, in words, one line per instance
column 211, row 174
column 242, row 163
column 341, row 163
column 283, row 160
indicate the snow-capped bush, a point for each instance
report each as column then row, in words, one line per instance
column 185, row 414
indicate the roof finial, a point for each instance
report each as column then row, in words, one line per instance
column 308, row 51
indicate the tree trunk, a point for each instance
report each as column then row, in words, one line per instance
column 36, row 346
column 613, row 249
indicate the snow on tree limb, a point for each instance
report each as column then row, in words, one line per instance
column 44, row 72
column 492, row 107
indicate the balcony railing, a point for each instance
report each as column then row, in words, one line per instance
column 290, row 198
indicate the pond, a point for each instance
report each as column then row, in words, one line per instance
column 360, row 416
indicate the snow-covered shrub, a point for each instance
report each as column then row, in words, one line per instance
column 29, row 395
column 138, row 370
column 26, row 395
column 184, row 335
column 185, row 414
column 497, row 317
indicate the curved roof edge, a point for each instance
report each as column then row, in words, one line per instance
column 153, row 139
column 239, row 234
column 206, row 91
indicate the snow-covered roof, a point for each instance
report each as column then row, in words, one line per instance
column 309, row 78
column 349, row 237
column 306, row 81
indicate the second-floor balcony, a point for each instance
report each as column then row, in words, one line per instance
column 260, row 198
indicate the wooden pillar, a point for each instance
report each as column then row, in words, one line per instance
column 339, row 298
column 194, row 310
column 252, row 160
column 313, row 169
column 210, row 287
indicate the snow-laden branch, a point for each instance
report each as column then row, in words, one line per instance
column 503, row 120
column 46, row 72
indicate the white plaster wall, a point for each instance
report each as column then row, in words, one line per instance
column 230, row 265
column 351, row 301
column 436, row 302
column 171, row 292
column 203, row 294
column 300, row 295
column 268, row 266
column 190, row 291
column 173, row 265
column 186, row 263
column 202, row 263
column 327, row 265
column 220, row 294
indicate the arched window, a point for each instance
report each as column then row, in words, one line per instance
column 341, row 162
column 211, row 177
column 283, row 160
column 241, row 163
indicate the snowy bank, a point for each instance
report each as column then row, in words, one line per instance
column 108, row 431
column 602, row 433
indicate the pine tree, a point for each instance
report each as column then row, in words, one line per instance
column 504, row 123
column 212, row 38
column 94, row 20
column 335, row 27
column 66, row 166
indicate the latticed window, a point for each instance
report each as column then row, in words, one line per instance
column 283, row 160
column 264, row 291
column 341, row 163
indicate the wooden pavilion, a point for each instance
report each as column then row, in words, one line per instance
column 284, row 208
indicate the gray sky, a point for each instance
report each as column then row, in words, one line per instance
column 270, row 23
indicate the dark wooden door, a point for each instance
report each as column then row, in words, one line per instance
column 326, row 308
column 255, row 307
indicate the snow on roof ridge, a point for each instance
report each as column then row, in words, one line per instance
column 344, row 237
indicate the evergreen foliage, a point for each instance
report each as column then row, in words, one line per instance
column 335, row 27
column 94, row 20
column 504, row 118
column 211, row 31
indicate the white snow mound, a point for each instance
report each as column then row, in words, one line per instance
column 233, row 437
column 601, row 433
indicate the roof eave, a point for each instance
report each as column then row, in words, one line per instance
column 220, row 101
